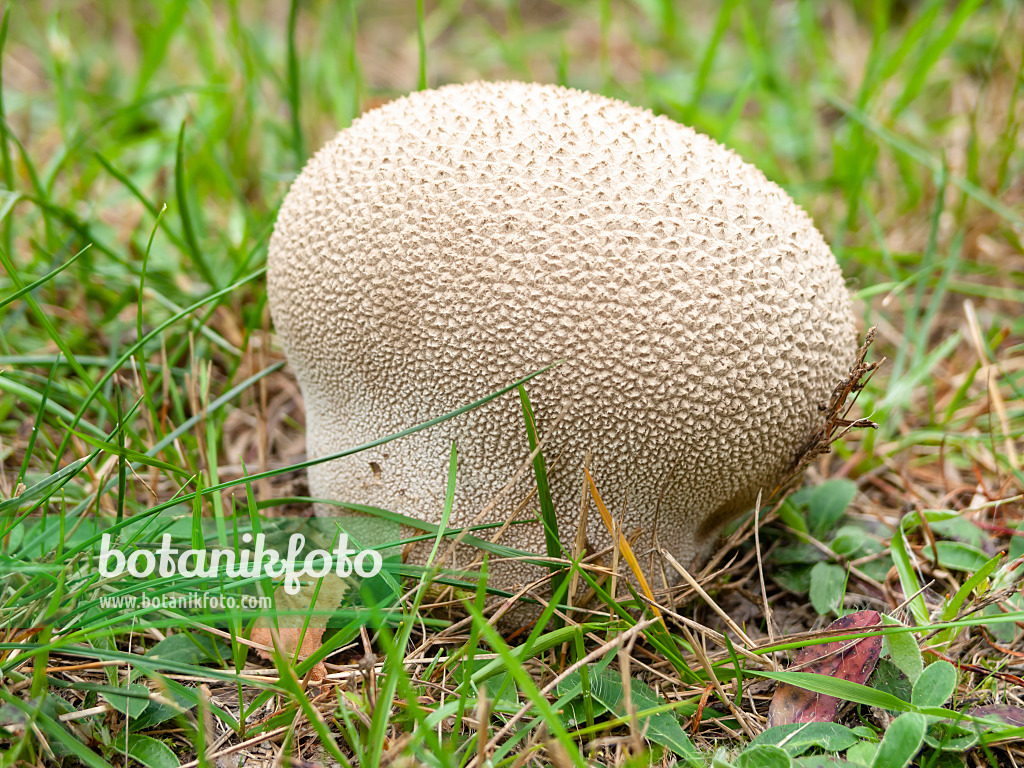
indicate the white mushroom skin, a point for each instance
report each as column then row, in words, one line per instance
column 454, row 240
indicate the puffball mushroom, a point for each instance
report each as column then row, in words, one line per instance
column 454, row 240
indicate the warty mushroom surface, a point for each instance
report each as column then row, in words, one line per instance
column 453, row 240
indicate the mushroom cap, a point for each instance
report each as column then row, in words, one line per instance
column 456, row 239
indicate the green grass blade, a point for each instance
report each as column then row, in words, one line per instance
column 394, row 669
column 421, row 43
column 54, row 730
column 907, row 147
column 294, row 89
column 44, row 320
column 552, row 541
column 908, row 578
column 526, row 685
column 45, row 279
column 349, row 451
column 40, row 411
column 187, row 228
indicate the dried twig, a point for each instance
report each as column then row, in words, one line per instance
column 836, row 424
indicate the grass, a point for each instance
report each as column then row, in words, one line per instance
column 144, row 150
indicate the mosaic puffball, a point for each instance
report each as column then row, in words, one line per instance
column 454, row 240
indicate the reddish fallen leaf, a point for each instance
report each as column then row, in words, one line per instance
column 852, row 660
column 311, row 642
column 1006, row 713
column 329, row 595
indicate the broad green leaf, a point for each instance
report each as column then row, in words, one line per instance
column 827, row 504
column 147, row 750
column 950, row 737
column 791, row 515
column 904, row 651
column 956, row 556
column 902, row 741
column 132, row 702
column 959, row 528
column 823, row 761
column 501, row 685
column 764, row 756
column 1002, row 632
column 188, row 647
column 889, row 678
column 945, row 760
column 828, row 585
column 849, row 540
column 795, row 580
column 574, row 709
column 662, row 728
column 186, row 697
column 935, row 685
column 801, row 496
column 158, row 712
column 797, row 554
column 1017, row 543
column 862, row 753
column 797, row 738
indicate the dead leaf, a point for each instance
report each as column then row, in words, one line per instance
column 311, row 642
column 1006, row 713
column 852, row 660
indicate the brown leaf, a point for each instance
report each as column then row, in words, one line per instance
column 311, row 642
column 1006, row 713
column 852, row 660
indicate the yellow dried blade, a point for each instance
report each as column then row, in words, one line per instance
column 624, row 548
